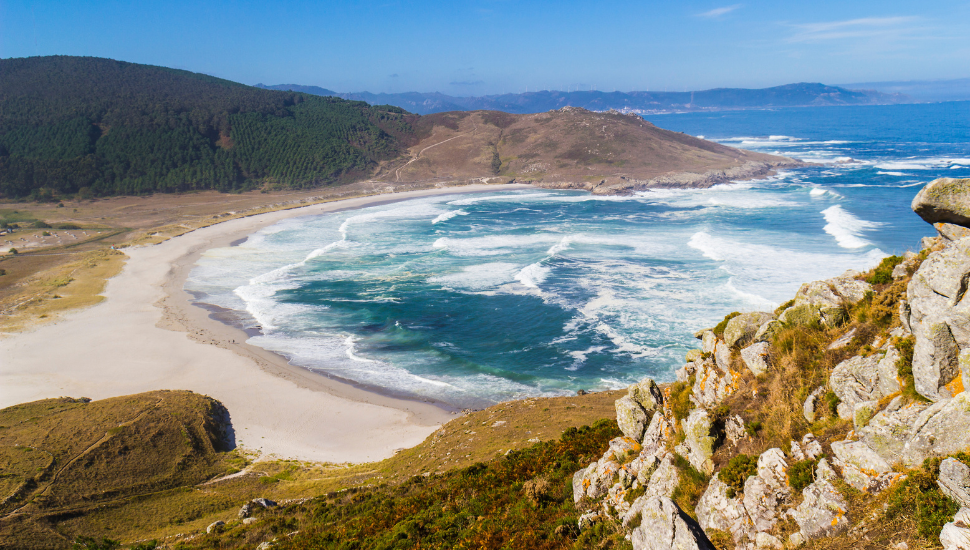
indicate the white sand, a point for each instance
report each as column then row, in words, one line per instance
column 147, row 336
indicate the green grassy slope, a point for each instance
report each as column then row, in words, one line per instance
column 102, row 127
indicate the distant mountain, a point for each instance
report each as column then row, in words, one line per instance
column 924, row 90
column 789, row 95
column 102, row 127
column 315, row 90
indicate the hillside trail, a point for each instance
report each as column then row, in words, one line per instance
column 397, row 173
column 46, row 488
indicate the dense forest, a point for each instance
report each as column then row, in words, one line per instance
column 94, row 127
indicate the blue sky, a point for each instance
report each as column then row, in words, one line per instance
column 493, row 46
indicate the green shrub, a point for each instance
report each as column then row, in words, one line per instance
column 737, row 471
column 832, row 402
column 719, row 329
column 88, row 543
column 67, row 226
column 680, row 398
column 904, row 367
column 40, row 224
column 883, row 273
column 919, row 497
column 801, row 474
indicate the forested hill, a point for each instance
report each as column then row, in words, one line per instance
column 101, row 127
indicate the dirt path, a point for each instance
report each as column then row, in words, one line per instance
column 397, row 173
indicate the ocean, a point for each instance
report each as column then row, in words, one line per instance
column 474, row 299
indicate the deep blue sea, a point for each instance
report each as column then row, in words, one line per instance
column 474, row 299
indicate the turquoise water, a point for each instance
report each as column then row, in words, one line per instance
column 473, row 299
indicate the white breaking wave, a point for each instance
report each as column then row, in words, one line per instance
column 448, row 215
column 533, row 275
column 846, row 228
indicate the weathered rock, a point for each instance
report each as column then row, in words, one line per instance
column 861, row 466
column 822, row 298
column 657, row 433
column 768, row 331
column 765, row 540
column 249, row 521
column 755, row 357
column 811, row 448
column 766, row 492
column 864, row 379
column 579, row 485
column 741, row 329
column 954, row 481
column 849, row 288
column 588, row 519
column 693, row 355
column 715, row 510
column 708, row 339
column 843, row 340
column 698, row 440
column 810, row 408
column 664, row 526
column 863, row 412
column 265, row 545
column 822, row 512
column 245, row 511
column 887, row 432
column 930, row 243
column 684, row 373
column 264, row 502
column 904, row 315
column 664, row 478
column 949, row 232
column 940, row 430
column 956, row 534
column 647, row 394
column 214, row 526
column 800, row 315
column 944, row 200
column 713, row 383
column 630, row 417
column 734, row 429
column 722, row 356
column 939, row 319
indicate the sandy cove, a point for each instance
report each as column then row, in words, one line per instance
column 147, row 335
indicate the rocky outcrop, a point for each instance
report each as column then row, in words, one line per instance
column 740, row 330
column 954, row 481
column 945, row 200
column 755, row 357
column 822, row 512
column 862, row 467
column 635, row 409
column 698, row 446
column 663, row 526
column 939, row 319
column 862, row 379
column 956, row 534
column 825, row 301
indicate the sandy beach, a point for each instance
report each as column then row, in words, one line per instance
column 147, row 335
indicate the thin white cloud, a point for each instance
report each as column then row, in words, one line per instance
column 866, row 27
column 717, row 12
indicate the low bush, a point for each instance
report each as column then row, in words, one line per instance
column 883, row 273
column 801, row 474
column 690, row 486
column 737, row 471
column 919, row 497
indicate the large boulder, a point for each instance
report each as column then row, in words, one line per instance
column 698, row 446
column 939, row 318
column 944, row 200
column 888, row 431
column 861, row 379
column 822, row 512
column 942, row 429
column 715, row 510
column 755, row 357
column 715, row 381
column 956, row 534
column 766, row 492
column 664, row 526
column 862, row 467
column 630, row 417
column 741, row 329
column 647, row 394
column 954, row 481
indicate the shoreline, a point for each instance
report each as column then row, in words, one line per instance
column 131, row 343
